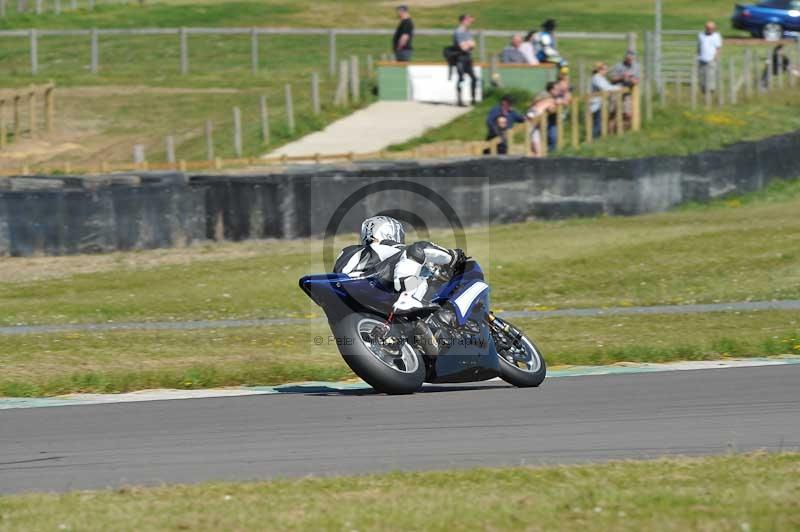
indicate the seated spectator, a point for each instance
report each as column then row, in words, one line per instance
column 495, row 129
column 543, row 103
column 528, row 49
column 600, row 83
column 546, row 51
column 512, row 54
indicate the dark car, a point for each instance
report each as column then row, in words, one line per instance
column 771, row 19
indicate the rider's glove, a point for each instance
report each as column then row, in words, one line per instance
column 459, row 258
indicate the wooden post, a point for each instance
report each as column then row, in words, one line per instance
column 94, row 52
column 32, row 111
column 732, row 80
column 49, row 108
column 604, row 114
column 2, row 122
column 528, row 138
column 693, row 87
column 237, row 132
column 587, row 119
column 747, row 73
column 315, row 103
column 618, row 112
column 34, row 44
column 169, row 142
column 574, row 118
column 184, row 44
column 636, row 108
column 209, row 140
column 720, row 84
column 332, row 52
column 17, row 121
column 254, row 51
column 262, row 106
column 138, row 154
column 355, row 80
column 770, row 81
column 341, row 97
column 289, row 108
column 543, row 134
column 648, row 98
column 559, row 127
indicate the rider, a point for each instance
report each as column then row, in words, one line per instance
column 383, row 251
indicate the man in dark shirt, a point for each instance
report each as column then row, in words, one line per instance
column 401, row 43
column 497, row 127
column 464, row 43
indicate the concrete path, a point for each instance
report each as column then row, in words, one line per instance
column 333, row 432
column 742, row 306
column 373, row 128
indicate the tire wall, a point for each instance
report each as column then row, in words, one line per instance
column 57, row 215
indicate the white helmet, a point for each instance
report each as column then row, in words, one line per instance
column 380, row 228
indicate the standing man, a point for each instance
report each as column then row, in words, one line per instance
column 709, row 45
column 464, row 43
column 401, row 43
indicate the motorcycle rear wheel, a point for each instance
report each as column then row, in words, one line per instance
column 391, row 367
column 527, row 368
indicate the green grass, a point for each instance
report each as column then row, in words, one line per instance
column 734, row 492
column 111, row 362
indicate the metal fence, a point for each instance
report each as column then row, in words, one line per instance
column 182, row 41
column 39, row 7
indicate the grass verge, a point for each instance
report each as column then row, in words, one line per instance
column 735, row 492
column 110, row 362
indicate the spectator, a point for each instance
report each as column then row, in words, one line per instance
column 543, row 103
column 546, row 51
column 464, row 44
column 559, row 91
column 528, row 50
column 512, row 53
column 626, row 74
column 498, row 128
column 709, row 45
column 403, row 35
column 780, row 64
column 599, row 84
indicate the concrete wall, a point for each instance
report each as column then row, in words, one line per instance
column 67, row 215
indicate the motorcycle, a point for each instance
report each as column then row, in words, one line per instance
column 385, row 349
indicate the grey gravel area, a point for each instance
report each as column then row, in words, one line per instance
column 744, row 306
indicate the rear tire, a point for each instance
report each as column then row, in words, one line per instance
column 391, row 371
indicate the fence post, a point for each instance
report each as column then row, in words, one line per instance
column 262, row 106
column 720, row 84
column 632, row 41
column 17, row 122
column 50, row 107
column 559, row 128
column 94, row 53
column 618, row 112
column 636, row 108
column 138, row 154
column 732, row 80
column 587, row 119
column 694, row 86
column 332, row 52
column 237, row 132
column 341, row 98
column 254, row 51
column 2, row 123
column 355, row 80
column 543, row 134
column 604, row 114
column 184, row 44
column 792, row 77
column 482, row 46
column 209, row 140
column 34, row 40
column 289, row 108
column 32, row 111
column 170, row 147
column 574, row 118
column 315, row 104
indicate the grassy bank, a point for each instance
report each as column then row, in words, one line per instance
column 109, row 362
column 734, row 492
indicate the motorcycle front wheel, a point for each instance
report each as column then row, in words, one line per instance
column 521, row 362
column 390, row 365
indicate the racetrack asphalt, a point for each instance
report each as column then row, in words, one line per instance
column 566, row 420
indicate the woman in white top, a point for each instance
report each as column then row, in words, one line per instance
column 528, row 50
column 543, row 103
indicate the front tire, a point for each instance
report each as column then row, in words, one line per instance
column 389, row 367
column 521, row 362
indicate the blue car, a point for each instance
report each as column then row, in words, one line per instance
column 770, row 19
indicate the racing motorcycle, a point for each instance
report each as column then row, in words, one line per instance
column 467, row 342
